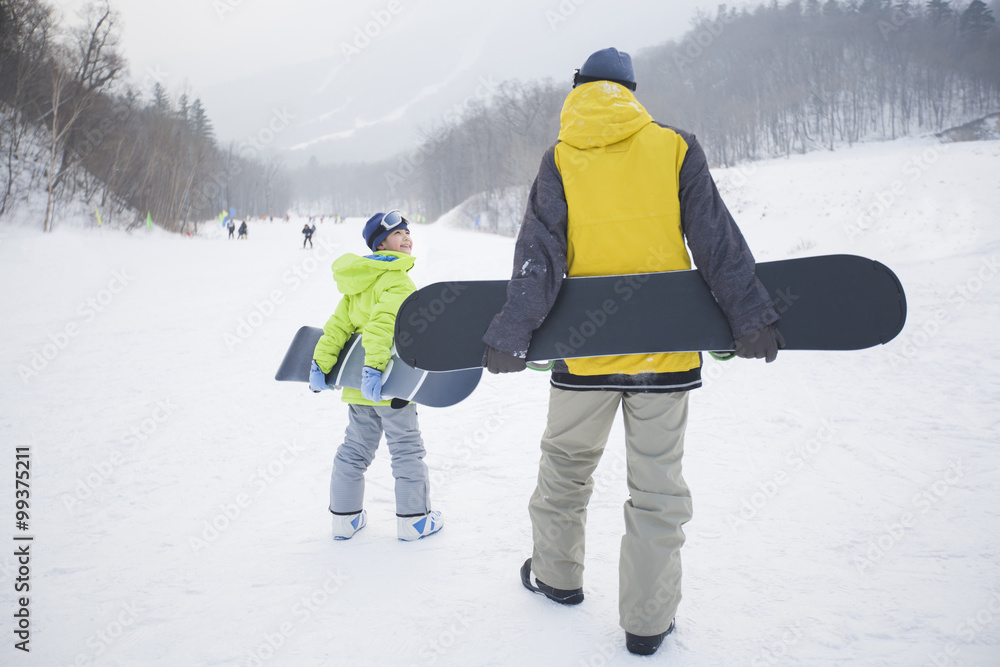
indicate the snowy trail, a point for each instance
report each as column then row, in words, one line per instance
column 845, row 504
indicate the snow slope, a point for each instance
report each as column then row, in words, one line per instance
column 845, row 503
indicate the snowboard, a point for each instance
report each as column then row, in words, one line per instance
column 829, row 302
column 436, row 390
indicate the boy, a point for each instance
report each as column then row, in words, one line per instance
column 374, row 286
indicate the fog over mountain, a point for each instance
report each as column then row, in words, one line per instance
column 359, row 82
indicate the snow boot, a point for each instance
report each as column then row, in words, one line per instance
column 559, row 595
column 345, row 525
column 646, row 645
column 419, row 526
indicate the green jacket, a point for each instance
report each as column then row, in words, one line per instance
column 373, row 290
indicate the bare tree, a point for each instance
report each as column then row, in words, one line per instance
column 66, row 109
column 98, row 61
column 25, row 29
column 79, row 72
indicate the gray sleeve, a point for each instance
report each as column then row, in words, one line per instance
column 718, row 248
column 539, row 263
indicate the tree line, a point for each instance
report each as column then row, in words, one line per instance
column 810, row 74
column 756, row 82
column 72, row 125
column 751, row 83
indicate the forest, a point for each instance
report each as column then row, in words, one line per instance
column 71, row 125
column 755, row 82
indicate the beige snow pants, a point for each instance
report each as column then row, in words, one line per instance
column 659, row 504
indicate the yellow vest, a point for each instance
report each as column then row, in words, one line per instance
column 620, row 173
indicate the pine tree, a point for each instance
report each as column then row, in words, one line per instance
column 161, row 101
column 199, row 122
column 976, row 20
column 939, row 11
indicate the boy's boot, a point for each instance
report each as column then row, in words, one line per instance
column 419, row 526
column 345, row 525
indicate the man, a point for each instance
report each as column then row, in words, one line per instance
column 619, row 193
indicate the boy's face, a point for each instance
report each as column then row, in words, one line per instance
column 398, row 241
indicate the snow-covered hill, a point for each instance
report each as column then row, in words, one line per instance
column 845, row 503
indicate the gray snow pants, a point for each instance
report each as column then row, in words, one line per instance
column 365, row 426
column 649, row 567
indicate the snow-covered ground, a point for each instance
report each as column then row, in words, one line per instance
column 846, row 504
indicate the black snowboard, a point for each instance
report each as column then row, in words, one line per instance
column 435, row 390
column 832, row 302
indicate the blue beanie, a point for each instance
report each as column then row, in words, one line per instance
column 607, row 65
column 373, row 232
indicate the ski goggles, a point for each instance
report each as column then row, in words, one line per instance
column 390, row 221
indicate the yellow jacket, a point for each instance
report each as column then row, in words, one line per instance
column 620, row 174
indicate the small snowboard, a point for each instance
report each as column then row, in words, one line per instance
column 830, row 302
column 436, row 390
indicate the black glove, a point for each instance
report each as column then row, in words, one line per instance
column 501, row 362
column 763, row 343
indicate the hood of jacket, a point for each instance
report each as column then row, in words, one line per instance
column 600, row 113
column 355, row 274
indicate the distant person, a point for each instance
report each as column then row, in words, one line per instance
column 231, row 226
column 243, row 230
column 374, row 286
column 619, row 193
column 307, row 232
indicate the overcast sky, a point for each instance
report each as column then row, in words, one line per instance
column 244, row 57
column 207, row 41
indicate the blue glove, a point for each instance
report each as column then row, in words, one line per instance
column 371, row 384
column 317, row 378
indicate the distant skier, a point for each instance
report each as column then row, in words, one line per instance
column 231, row 226
column 243, row 230
column 307, row 231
